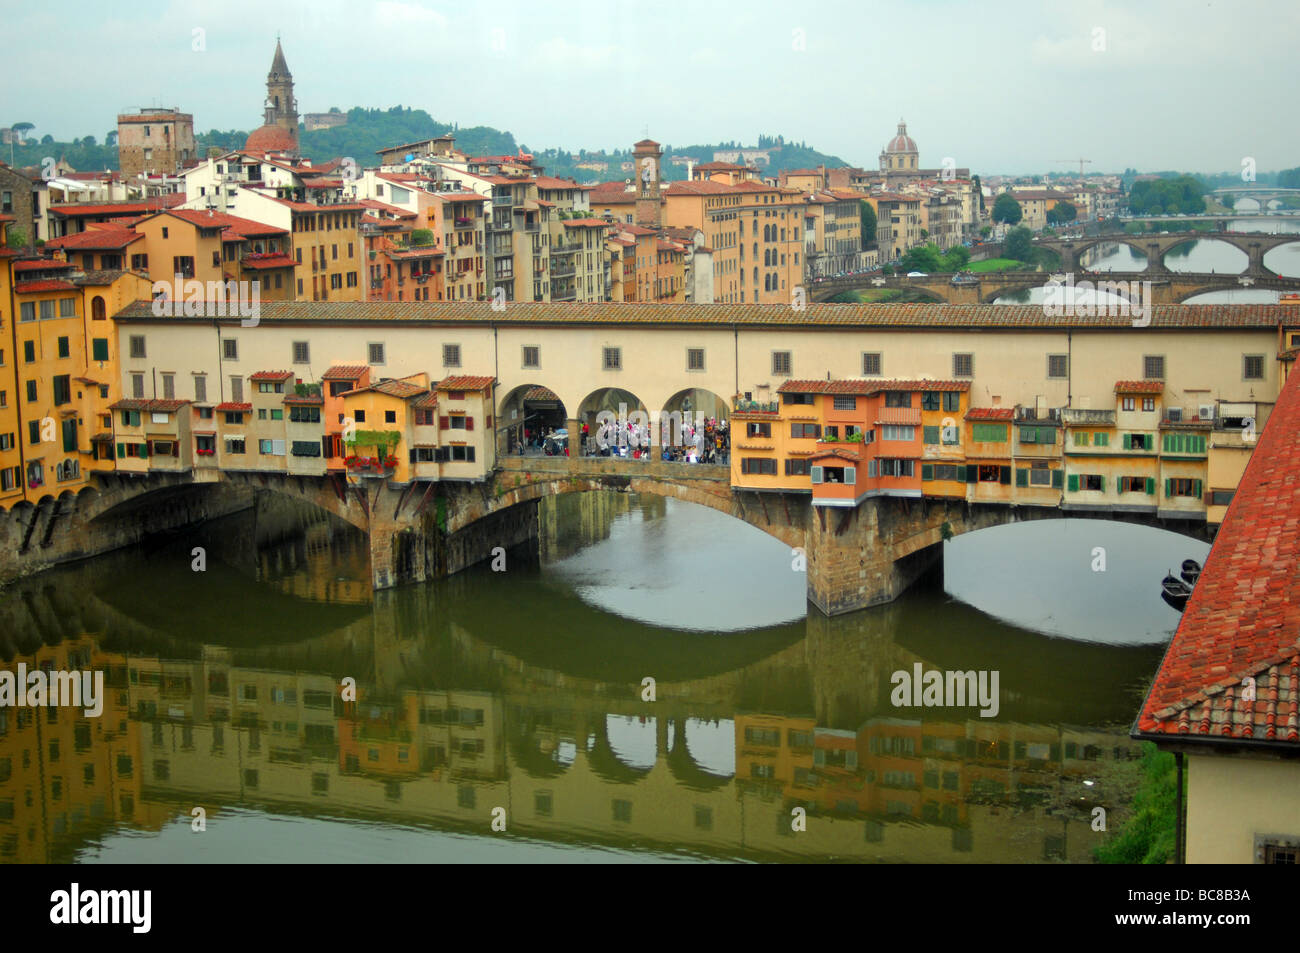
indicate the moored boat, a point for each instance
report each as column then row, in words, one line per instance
column 1175, row 592
column 1191, row 571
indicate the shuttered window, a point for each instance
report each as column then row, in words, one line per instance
column 990, row 433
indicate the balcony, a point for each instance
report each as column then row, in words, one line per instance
column 563, row 270
column 741, row 406
column 464, row 223
column 1050, row 415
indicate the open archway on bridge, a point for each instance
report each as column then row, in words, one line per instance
column 1284, row 259
column 622, row 404
column 1203, row 256
column 695, row 411
column 526, row 415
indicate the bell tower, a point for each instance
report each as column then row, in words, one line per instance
column 281, row 107
column 647, row 156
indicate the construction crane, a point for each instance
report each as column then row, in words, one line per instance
column 1080, row 161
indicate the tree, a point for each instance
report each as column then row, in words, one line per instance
column 16, row 237
column 422, row 236
column 986, row 231
column 922, row 258
column 110, row 137
column 1019, row 244
column 22, row 128
column 1007, row 209
column 956, row 258
column 868, row 216
column 89, row 141
column 1062, row 212
column 47, row 140
column 979, row 190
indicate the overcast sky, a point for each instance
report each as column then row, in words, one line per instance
column 999, row 86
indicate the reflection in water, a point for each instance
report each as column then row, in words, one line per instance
column 507, row 689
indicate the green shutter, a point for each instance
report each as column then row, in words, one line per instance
column 1169, row 488
column 1081, row 438
column 1029, row 435
column 931, row 434
column 927, row 469
column 144, row 449
column 99, row 349
column 1151, row 486
column 1168, row 443
column 1047, row 435
column 1022, row 476
column 1004, row 476
column 1058, row 479
column 121, row 450
column 1128, row 441
column 972, row 473
column 961, row 473
column 1196, row 489
column 816, row 473
column 1074, row 483
column 1101, row 484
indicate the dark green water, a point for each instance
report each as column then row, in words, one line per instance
column 504, row 716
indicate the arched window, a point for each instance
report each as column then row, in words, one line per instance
column 97, row 310
column 755, row 274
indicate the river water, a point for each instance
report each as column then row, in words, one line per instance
column 504, row 715
column 1201, row 256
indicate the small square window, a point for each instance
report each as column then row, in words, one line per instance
column 1252, row 367
column 301, row 352
column 375, row 351
column 963, row 365
column 230, row 349
column 1058, row 366
column 781, row 363
column 532, row 357
column 613, row 358
column 451, row 355
column 695, row 358
column 1153, row 367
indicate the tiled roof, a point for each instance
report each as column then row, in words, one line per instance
column 842, row 454
column 991, row 413
column 96, row 238
column 270, row 376
column 235, row 226
column 99, row 277
column 345, row 372
column 851, row 316
column 429, row 399
column 311, row 400
column 1242, row 619
column 586, row 223
column 259, row 262
column 119, row 208
column 155, row 406
column 466, row 382
column 231, row 406
column 540, row 393
column 869, row 386
column 1139, row 387
column 40, row 264
column 31, row 287
column 392, row 388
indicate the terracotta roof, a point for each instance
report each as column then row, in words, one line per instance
column 345, row 372
column 390, row 209
column 155, row 406
column 1139, row 387
column 271, row 139
column 898, row 415
column 392, row 388
column 540, row 393
column 1244, row 612
column 586, row 223
column 868, row 386
column 854, row 316
column 235, row 226
column 991, row 413
column 31, row 287
column 838, row 452
column 311, row 400
column 41, row 264
column 231, row 407
column 429, row 399
column 270, row 376
column 119, row 208
column 99, row 277
column 96, row 238
column 466, row 382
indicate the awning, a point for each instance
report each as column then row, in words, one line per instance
column 1236, row 410
column 899, row 415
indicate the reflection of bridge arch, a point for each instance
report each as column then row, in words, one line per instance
column 605, row 761
column 685, row 768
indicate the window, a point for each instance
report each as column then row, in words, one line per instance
column 871, row 363
column 27, row 311
column 695, row 358
column 229, row 349
column 1148, row 404
column 796, row 468
column 1153, row 367
column 963, row 365
column 375, row 350
column 137, row 346
column 1252, row 367
column 1058, row 365
column 1137, row 484
column 99, row 349
column 989, row 433
column 898, row 398
column 897, row 432
column 1039, row 435
column 63, row 347
column 1127, row 403
column 805, row 431
column 47, row 310
column 1087, row 481
column 301, row 353
column 451, row 355
column 845, row 402
column 237, row 389
column 755, row 429
column 29, row 352
column 781, row 363
column 272, row 448
column 390, row 417
column 760, row 466
column 137, row 385
column 1183, row 487
column 532, row 356
column 169, row 386
column 1139, row 441
column 359, row 416
column 200, row 387
column 612, row 358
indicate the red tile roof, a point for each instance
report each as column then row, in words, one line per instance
column 235, row 226
column 156, row 406
column 1139, row 387
column 1244, row 612
column 31, row 287
column 96, row 238
column 586, row 223
column 311, row 400
column 271, row 376
column 392, row 388
column 466, row 382
column 898, row 415
column 866, row 386
column 40, row 264
column 230, row 407
column 838, row 452
column 345, row 372
column 991, row 413
column 119, row 208
column 258, row 262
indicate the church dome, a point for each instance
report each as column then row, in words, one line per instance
column 902, row 142
column 271, row 138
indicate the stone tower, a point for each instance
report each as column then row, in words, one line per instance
column 647, row 156
column 281, row 107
